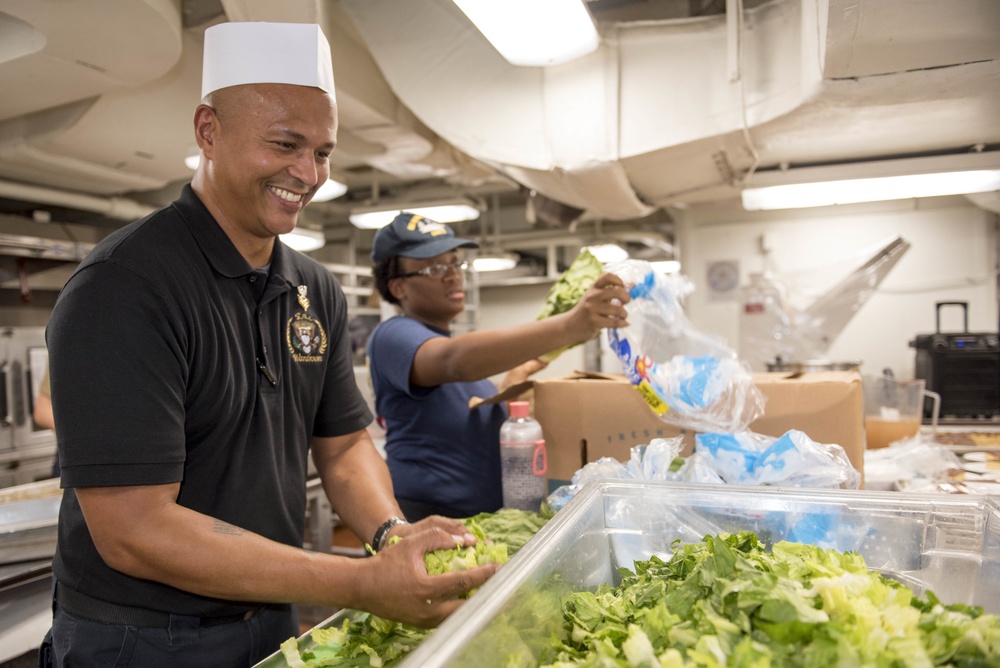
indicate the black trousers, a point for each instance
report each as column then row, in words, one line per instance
column 81, row 643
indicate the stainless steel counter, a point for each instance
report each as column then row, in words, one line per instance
column 25, row 606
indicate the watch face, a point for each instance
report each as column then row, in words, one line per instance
column 723, row 276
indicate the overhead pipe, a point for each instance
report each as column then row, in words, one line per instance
column 113, row 207
column 542, row 239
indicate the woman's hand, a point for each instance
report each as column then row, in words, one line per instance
column 602, row 306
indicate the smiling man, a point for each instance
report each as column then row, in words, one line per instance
column 196, row 362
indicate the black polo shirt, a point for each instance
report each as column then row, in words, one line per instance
column 173, row 361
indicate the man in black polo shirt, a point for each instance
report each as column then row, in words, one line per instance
column 195, row 361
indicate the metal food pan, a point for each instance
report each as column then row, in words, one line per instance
column 277, row 660
column 948, row 544
column 28, row 521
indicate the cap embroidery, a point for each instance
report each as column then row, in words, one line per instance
column 425, row 226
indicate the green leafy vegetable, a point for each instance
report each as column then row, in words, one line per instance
column 290, row 650
column 367, row 640
column 509, row 526
column 569, row 289
column 724, row 601
column 461, row 558
column 728, row 602
column 362, row 640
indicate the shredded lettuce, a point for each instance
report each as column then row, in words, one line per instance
column 728, row 602
column 461, row 558
column 723, row 601
column 367, row 640
column 290, row 650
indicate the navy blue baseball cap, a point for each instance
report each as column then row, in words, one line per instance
column 412, row 235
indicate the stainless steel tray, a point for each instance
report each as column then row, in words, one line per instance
column 29, row 517
column 276, row 660
column 948, row 544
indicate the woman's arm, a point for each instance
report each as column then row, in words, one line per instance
column 481, row 354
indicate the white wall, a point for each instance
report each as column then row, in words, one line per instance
column 953, row 257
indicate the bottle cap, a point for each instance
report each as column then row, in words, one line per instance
column 520, row 409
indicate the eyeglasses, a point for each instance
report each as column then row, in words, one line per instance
column 437, row 270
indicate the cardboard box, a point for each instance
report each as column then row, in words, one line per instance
column 589, row 416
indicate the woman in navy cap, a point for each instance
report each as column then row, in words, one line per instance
column 445, row 458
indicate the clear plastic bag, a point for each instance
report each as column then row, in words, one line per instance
column 908, row 460
column 655, row 461
column 744, row 458
column 689, row 378
column 646, row 462
column 792, row 460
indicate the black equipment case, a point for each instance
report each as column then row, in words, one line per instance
column 963, row 368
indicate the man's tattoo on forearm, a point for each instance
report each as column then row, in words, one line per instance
column 226, row 528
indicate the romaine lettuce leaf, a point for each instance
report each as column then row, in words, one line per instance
column 568, row 289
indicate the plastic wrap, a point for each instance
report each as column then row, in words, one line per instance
column 745, row 458
column 646, row 462
column 791, row 460
column 774, row 328
column 689, row 378
column 909, row 460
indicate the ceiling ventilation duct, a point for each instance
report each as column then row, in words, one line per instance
column 545, row 212
column 87, row 75
column 647, row 119
column 567, row 130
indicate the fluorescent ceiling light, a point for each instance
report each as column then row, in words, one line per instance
column 608, row 253
column 850, row 191
column 534, row 33
column 444, row 213
column 498, row 261
column 873, row 181
column 666, row 266
column 329, row 190
column 304, row 240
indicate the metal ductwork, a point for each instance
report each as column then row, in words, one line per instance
column 679, row 111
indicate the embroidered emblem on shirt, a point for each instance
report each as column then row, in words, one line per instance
column 306, row 338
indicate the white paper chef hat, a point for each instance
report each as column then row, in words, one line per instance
column 251, row 52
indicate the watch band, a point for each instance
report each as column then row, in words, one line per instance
column 382, row 533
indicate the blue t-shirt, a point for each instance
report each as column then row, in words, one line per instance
column 439, row 452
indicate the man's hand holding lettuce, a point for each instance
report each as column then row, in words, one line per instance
column 364, row 639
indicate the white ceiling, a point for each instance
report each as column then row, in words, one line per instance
column 99, row 96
